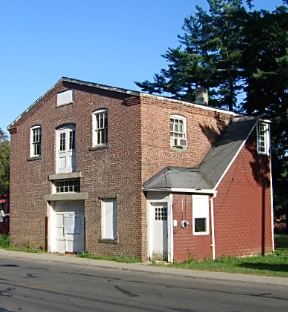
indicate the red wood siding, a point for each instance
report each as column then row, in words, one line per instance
column 243, row 206
column 187, row 245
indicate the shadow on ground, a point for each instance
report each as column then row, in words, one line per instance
column 265, row 266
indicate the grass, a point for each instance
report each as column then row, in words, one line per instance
column 275, row 264
column 5, row 244
column 123, row 259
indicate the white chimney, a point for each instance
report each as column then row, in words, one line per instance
column 201, row 96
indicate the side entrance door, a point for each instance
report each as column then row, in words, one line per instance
column 66, row 156
column 159, row 231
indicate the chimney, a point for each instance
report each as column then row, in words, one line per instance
column 201, row 96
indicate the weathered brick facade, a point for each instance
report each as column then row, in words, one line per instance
column 138, row 148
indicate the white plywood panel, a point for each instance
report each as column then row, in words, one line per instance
column 65, row 98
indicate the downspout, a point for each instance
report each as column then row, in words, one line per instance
column 271, row 196
column 212, row 227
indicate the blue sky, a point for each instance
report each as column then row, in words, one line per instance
column 111, row 42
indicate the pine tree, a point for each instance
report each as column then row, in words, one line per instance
column 241, row 56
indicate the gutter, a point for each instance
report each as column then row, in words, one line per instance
column 181, row 190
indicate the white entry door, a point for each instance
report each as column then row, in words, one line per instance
column 159, row 231
column 69, row 227
column 66, row 156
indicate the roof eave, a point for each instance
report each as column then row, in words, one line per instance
column 180, row 190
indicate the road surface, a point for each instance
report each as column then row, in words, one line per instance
column 43, row 286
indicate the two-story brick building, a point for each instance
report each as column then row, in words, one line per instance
column 118, row 172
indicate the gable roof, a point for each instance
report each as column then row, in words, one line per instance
column 123, row 91
column 210, row 172
column 79, row 83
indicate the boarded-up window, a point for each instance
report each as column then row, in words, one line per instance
column 109, row 218
column 65, row 98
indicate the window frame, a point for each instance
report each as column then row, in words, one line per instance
column 200, row 210
column 178, row 135
column 96, row 129
column 263, row 138
column 35, row 145
column 68, row 186
column 109, row 233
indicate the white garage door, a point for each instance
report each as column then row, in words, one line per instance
column 69, row 227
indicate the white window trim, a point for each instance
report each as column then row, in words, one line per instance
column 113, row 226
column 266, row 138
column 184, row 138
column 32, row 154
column 203, row 214
column 94, row 135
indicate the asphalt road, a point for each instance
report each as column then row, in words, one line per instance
column 42, row 286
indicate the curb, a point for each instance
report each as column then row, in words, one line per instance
column 146, row 268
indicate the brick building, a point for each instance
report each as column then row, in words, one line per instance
column 118, row 172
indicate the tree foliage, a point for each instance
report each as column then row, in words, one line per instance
column 4, row 162
column 241, row 56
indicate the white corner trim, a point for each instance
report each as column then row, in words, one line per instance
column 170, row 230
column 213, row 227
column 272, row 205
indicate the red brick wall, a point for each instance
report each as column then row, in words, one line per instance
column 139, row 147
column 113, row 171
column 187, row 245
column 243, row 207
column 203, row 127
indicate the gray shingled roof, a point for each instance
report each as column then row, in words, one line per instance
column 177, row 177
column 210, row 171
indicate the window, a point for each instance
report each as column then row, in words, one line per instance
column 200, row 213
column 66, row 152
column 68, row 186
column 263, row 138
column 109, row 218
column 161, row 213
column 178, row 132
column 35, row 141
column 100, row 127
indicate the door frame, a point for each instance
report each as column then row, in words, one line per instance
column 51, row 227
column 158, row 198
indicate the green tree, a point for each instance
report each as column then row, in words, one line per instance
column 265, row 55
column 208, row 56
column 4, row 162
column 241, row 56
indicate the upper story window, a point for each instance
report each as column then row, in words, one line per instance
column 66, row 149
column 178, row 135
column 65, row 98
column 263, row 140
column 35, row 141
column 100, row 127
